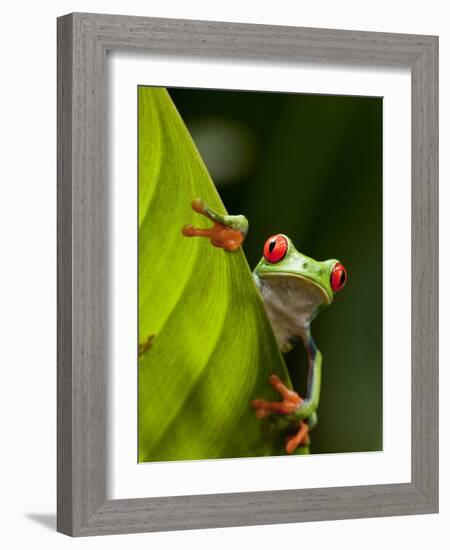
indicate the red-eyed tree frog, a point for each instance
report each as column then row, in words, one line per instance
column 294, row 288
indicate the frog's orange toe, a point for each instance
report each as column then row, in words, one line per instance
column 191, row 231
column 286, row 393
column 300, row 438
column 188, row 230
column 198, row 206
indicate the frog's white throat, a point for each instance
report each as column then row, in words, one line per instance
column 291, row 303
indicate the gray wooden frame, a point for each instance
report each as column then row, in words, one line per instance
column 83, row 40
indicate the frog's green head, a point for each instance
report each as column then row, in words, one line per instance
column 282, row 259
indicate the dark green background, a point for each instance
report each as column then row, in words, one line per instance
column 310, row 166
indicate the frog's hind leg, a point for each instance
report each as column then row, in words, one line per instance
column 288, row 406
column 228, row 232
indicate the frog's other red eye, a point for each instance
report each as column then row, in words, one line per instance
column 275, row 248
column 338, row 277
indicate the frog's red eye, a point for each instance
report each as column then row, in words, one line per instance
column 338, row 277
column 275, row 248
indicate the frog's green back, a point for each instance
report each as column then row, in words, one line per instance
column 213, row 348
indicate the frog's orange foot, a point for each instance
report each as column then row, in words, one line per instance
column 290, row 403
column 221, row 234
column 199, row 206
column 300, row 438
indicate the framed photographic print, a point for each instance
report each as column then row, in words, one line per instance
column 247, row 274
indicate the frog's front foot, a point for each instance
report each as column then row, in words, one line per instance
column 228, row 232
column 290, row 403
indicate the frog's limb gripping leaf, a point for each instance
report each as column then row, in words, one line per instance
column 228, row 232
column 290, row 403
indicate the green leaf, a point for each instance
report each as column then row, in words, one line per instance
column 209, row 347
